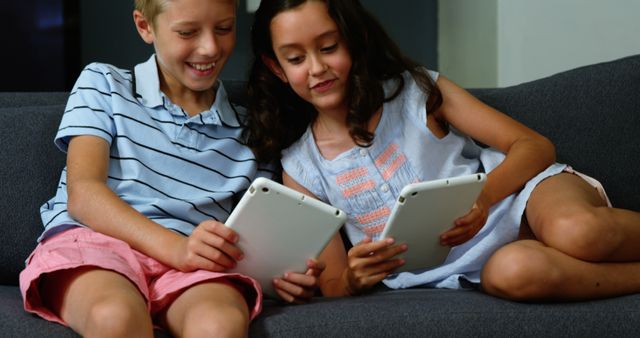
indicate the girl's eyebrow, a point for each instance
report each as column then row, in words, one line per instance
column 319, row 37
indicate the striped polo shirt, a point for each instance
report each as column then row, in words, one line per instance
column 175, row 169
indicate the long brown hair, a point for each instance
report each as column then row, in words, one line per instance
column 278, row 116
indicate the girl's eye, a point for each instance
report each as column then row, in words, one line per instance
column 294, row 60
column 329, row 49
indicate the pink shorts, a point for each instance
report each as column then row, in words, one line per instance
column 158, row 283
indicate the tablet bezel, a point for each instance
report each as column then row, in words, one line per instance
column 279, row 229
column 425, row 210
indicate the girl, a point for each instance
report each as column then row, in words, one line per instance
column 355, row 121
column 133, row 238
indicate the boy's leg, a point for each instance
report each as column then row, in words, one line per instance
column 96, row 302
column 209, row 309
column 581, row 250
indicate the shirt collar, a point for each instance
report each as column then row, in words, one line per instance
column 147, row 83
column 147, row 90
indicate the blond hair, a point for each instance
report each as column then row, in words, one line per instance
column 150, row 8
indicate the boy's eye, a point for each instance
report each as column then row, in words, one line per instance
column 224, row 30
column 185, row 34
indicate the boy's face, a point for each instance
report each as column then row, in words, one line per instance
column 311, row 55
column 193, row 39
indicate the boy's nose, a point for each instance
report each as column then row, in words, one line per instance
column 209, row 45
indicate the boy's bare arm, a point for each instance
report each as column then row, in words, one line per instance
column 93, row 203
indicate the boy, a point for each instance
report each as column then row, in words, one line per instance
column 133, row 237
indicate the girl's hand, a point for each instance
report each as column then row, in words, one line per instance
column 211, row 246
column 466, row 226
column 371, row 262
column 299, row 288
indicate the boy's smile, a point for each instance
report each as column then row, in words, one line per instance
column 193, row 39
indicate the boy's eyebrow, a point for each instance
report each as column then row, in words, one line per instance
column 231, row 19
column 319, row 37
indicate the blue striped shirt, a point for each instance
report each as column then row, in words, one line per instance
column 175, row 169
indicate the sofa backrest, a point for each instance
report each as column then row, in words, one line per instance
column 592, row 114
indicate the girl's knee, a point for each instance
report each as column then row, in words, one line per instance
column 520, row 271
column 589, row 235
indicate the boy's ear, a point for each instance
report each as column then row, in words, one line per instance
column 144, row 27
column 274, row 67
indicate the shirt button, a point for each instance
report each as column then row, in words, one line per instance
column 384, row 187
column 363, row 152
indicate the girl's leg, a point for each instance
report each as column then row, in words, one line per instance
column 567, row 213
column 584, row 249
column 97, row 303
column 528, row 270
column 210, row 309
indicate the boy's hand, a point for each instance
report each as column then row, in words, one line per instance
column 466, row 226
column 298, row 288
column 211, row 246
column 371, row 262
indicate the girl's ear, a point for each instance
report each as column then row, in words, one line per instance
column 144, row 27
column 274, row 67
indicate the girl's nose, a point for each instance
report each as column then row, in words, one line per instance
column 317, row 66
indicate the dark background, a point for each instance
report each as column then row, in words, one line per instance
column 48, row 42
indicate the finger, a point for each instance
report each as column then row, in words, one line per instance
column 472, row 215
column 303, row 280
column 293, row 290
column 285, row 296
column 215, row 241
column 197, row 262
column 390, row 251
column 370, row 281
column 315, row 268
column 215, row 256
column 386, row 267
column 459, row 235
column 367, row 249
column 221, row 230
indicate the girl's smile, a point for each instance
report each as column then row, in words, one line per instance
column 323, row 87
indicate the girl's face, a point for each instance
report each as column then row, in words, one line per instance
column 193, row 40
column 311, row 55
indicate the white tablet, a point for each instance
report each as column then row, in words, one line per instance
column 425, row 210
column 279, row 229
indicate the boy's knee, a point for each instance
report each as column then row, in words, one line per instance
column 217, row 321
column 519, row 271
column 115, row 317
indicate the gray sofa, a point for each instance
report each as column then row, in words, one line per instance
column 591, row 113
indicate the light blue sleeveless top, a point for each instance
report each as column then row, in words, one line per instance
column 365, row 182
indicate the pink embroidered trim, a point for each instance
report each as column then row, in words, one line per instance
column 352, row 175
column 373, row 216
column 386, row 155
column 358, row 188
column 393, row 167
column 372, row 230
